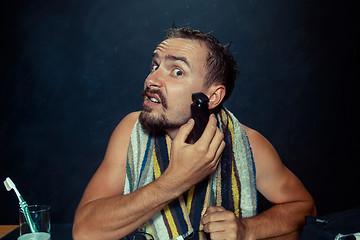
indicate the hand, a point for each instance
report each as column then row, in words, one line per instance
column 223, row 224
column 191, row 163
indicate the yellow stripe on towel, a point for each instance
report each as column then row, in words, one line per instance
column 234, row 186
column 166, row 209
column 170, row 221
column 157, row 172
column 235, row 191
column 190, row 198
column 231, row 128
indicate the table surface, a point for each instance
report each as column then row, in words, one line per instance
column 58, row 231
column 5, row 229
column 64, row 232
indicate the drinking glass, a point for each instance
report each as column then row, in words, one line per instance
column 40, row 215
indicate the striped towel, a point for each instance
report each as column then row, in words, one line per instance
column 232, row 185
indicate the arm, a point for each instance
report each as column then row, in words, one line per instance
column 105, row 213
column 281, row 187
column 292, row 201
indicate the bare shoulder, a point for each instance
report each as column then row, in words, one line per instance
column 127, row 123
column 273, row 179
column 124, row 128
column 120, row 137
column 260, row 145
column 266, row 158
column 119, row 141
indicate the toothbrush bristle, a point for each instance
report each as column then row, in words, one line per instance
column 8, row 184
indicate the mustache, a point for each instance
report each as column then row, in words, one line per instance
column 157, row 92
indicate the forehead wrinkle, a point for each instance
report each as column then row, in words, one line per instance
column 185, row 50
column 172, row 58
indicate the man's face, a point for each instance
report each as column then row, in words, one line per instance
column 178, row 70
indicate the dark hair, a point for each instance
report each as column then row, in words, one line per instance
column 220, row 63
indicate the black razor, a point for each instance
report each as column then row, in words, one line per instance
column 200, row 113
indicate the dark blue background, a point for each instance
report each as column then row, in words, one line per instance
column 71, row 70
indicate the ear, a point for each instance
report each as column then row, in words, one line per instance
column 216, row 94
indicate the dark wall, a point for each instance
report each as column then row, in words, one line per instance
column 71, row 70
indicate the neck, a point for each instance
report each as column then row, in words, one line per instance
column 173, row 132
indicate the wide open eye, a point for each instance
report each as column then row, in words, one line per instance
column 154, row 67
column 178, row 72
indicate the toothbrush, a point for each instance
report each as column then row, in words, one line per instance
column 24, row 206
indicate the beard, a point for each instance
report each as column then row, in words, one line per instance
column 156, row 124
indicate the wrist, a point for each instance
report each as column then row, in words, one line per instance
column 248, row 234
column 168, row 187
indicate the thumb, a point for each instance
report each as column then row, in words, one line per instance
column 213, row 209
column 185, row 130
column 209, row 211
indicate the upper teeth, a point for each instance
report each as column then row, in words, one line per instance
column 154, row 100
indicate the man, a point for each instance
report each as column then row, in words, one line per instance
column 156, row 179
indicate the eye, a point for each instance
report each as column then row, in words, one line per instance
column 178, row 72
column 154, row 67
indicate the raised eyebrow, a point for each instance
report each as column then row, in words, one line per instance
column 178, row 58
column 173, row 58
column 154, row 56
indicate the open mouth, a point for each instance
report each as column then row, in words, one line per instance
column 153, row 97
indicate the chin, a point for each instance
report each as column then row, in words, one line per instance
column 156, row 124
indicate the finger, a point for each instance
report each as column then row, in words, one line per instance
column 216, row 143
column 210, row 212
column 220, row 235
column 219, row 216
column 215, row 227
column 185, row 130
column 213, row 209
column 219, row 153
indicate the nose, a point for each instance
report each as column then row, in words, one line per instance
column 154, row 80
